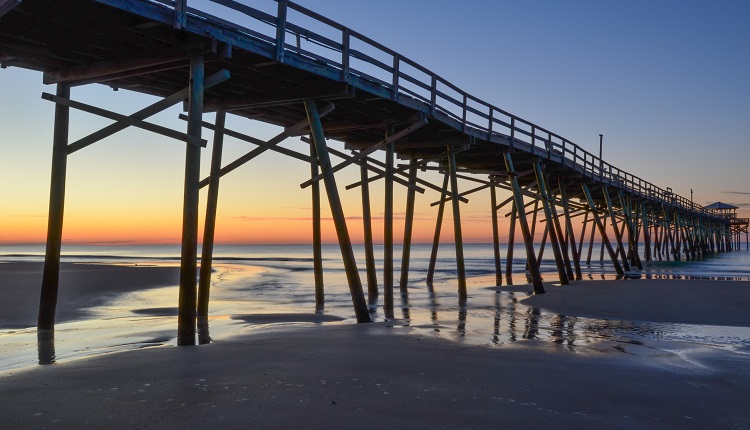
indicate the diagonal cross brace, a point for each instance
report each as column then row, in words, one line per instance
column 146, row 112
column 398, row 171
column 125, row 119
column 255, row 141
column 465, row 193
column 267, row 145
column 422, row 166
column 367, row 162
column 406, row 131
column 420, row 181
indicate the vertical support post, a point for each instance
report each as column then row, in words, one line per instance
column 51, row 274
column 618, row 237
column 591, row 244
column 209, row 226
column 495, row 234
column 408, row 225
column 602, row 230
column 438, row 226
column 345, row 43
column 540, row 256
column 584, row 226
column 316, row 230
column 601, row 251
column 188, row 292
column 571, row 243
column 511, row 244
column 461, row 269
column 339, row 220
column 628, row 221
column 388, row 228
column 559, row 231
column 180, row 14
column 646, row 233
column 528, row 240
column 372, row 276
column 554, row 239
column 280, row 30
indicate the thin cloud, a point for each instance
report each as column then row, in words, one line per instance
column 743, row 193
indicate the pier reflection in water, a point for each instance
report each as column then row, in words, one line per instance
column 499, row 318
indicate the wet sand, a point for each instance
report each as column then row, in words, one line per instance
column 658, row 300
column 82, row 286
column 384, row 375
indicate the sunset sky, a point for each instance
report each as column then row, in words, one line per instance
column 667, row 83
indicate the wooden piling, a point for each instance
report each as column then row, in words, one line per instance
column 618, row 236
column 186, row 315
column 372, row 276
column 536, row 278
column 495, row 234
column 436, row 237
column 602, row 231
column 316, row 231
column 388, row 228
column 511, row 244
column 209, row 223
column 554, row 239
column 339, row 220
column 560, row 235
column 408, row 226
column 51, row 273
column 591, row 243
column 455, row 202
column 571, row 243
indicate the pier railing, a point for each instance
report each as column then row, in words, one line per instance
column 323, row 44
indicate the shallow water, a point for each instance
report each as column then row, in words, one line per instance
column 277, row 279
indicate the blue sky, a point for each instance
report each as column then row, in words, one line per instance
column 666, row 82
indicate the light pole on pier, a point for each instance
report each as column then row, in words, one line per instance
column 601, row 162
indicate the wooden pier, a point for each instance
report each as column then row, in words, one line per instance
column 281, row 72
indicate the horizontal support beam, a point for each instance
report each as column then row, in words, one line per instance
column 281, row 98
column 124, row 67
column 164, row 131
column 344, row 126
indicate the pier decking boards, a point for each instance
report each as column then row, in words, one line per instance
column 273, row 70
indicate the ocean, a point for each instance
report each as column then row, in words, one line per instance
column 260, row 287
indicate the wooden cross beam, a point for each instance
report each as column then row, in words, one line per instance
column 144, row 113
column 267, row 145
column 465, row 193
column 167, row 59
column 367, row 163
column 284, row 97
column 255, row 141
column 427, row 184
column 404, row 132
column 164, row 131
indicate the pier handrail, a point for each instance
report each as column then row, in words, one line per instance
column 430, row 93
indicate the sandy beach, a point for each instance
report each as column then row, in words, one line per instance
column 82, row 286
column 386, row 374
